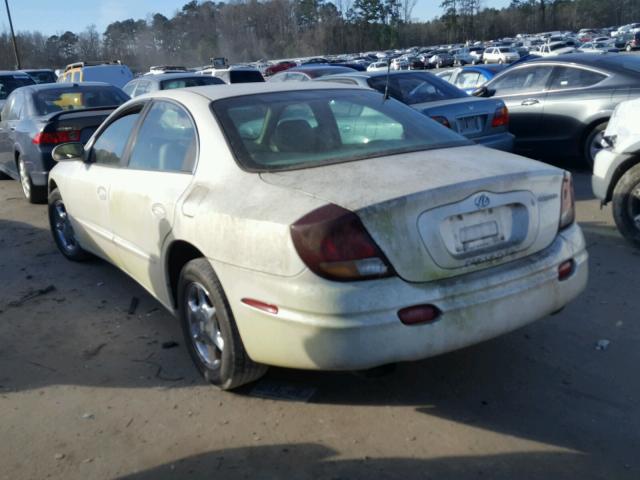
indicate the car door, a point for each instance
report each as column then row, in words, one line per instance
column 88, row 188
column 572, row 99
column 523, row 90
column 8, row 124
column 144, row 197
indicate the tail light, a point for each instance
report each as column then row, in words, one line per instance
column 500, row 118
column 567, row 202
column 53, row 138
column 334, row 244
column 441, row 120
column 565, row 269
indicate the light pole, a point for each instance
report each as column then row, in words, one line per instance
column 13, row 36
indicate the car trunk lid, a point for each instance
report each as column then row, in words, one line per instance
column 442, row 213
column 84, row 121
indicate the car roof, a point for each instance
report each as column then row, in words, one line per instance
column 57, row 86
column 614, row 61
column 13, row 73
column 168, row 76
column 215, row 92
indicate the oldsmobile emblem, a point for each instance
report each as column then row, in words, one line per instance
column 482, row 201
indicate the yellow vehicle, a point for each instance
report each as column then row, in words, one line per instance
column 109, row 72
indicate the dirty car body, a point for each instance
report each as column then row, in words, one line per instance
column 345, row 231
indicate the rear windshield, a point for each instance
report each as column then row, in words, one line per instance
column 74, row 98
column 245, row 76
column 414, row 88
column 302, row 129
column 198, row 81
column 8, row 83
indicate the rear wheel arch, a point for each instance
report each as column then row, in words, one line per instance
column 623, row 168
column 179, row 253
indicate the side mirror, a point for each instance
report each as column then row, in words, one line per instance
column 483, row 92
column 68, row 151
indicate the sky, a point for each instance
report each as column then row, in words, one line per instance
column 53, row 16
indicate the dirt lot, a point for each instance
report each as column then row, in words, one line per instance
column 88, row 391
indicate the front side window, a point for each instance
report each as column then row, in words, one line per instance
column 293, row 130
column 109, row 147
column 568, row 77
column 166, row 140
column 522, row 80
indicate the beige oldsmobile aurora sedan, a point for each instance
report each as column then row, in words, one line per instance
column 316, row 226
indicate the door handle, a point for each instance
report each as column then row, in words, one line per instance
column 530, row 101
column 102, row 193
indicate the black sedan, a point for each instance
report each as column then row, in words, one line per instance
column 560, row 107
column 38, row 117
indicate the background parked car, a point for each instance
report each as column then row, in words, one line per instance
column 234, row 74
column 9, row 81
column 633, row 43
column 166, row 81
column 42, row 75
column 108, row 72
column 378, row 66
column 279, row 67
column 305, row 73
column 560, row 106
column 555, row 48
column 500, row 55
column 616, row 172
column 471, row 77
column 36, row 118
column 369, row 236
column 440, row 59
column 484, row 123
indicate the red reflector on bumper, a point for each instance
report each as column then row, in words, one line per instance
column 419, row 314
column 565, row 269
column 265, row 307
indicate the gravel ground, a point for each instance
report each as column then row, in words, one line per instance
column 88, row 391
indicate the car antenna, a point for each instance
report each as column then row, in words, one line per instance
column 386, row 87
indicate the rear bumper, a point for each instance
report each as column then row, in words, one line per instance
column 341, row 326
column 501, row 141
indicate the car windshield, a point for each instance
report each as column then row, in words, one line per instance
column 505, row 50
column 8, row 83
column 43, row 76
column 415, row 87
column 73, row 98
column 198, row 81
column 302, row 129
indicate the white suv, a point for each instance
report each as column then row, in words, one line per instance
column 500, row 55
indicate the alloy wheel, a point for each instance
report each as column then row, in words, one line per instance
column 595, row 146
column 62, row 227
column 24, row 178
column 204, row 328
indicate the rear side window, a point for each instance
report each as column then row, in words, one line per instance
column 8, row 83
column 166, row 140
column 522, row 80
column 129, row 88
column 245, row 76
column 468, row 79
column 568, row 77
column 110, row 145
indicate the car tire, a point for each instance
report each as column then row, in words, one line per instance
column 210, row 330
column 33, row 193
column 626, row 205
column 486, row 62
column 628, row 48
column 592, row 144
column 62, row 231
column 500, row 61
